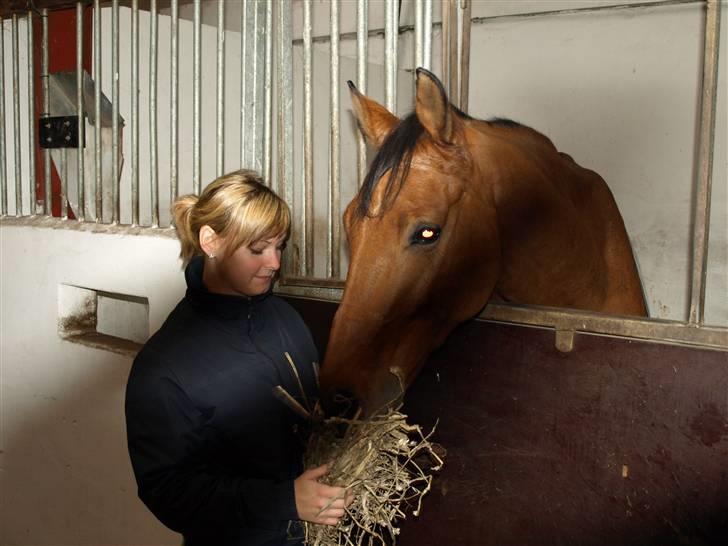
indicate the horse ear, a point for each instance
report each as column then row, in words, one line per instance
column 375, row 121
column 432, row 107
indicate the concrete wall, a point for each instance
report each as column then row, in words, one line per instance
column 65, row 476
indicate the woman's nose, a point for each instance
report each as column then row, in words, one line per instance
column 274, row 261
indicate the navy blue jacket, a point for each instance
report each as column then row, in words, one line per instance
column 213, row 452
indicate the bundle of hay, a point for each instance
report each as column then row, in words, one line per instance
column 386, row 463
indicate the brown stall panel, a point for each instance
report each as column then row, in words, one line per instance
column 617, row 443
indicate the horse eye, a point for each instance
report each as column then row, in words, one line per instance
column 426, row 235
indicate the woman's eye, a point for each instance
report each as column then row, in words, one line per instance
column 256, row 251
column 426, row 235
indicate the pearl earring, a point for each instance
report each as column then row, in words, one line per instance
column 211, row 256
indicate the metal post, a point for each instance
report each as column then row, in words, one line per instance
column 196, row 92
column 135, row 112
column 3, row 164
column 174, row 105
column 285, row 113
column 48, row 197
column 81, row 212
column 268, row 86
column 466, row 6
column 153, row 166
column 334, row 239
column 427, row 38
column 220, row 144
column 16, row 116
column 115, row 167
column 31, row 116
column 307, row 241
column 701, row 225
column 390, row 54
column 362, row 32
column 98, row 210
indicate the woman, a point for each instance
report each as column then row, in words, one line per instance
column 216, row 456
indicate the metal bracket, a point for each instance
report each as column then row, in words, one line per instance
column 58, row 132
column 564, row 340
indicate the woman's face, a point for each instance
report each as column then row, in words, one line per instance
column 248, row 271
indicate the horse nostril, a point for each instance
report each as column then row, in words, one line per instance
column 344, row 404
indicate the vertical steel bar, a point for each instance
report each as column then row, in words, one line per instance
column 362, row 41
column 268, row 119
column 115, row 167
column 196, row 93
column 3, row 164
column 135, row 112
column 174, row 104
column 453, row 52
column 64, row 184
column 16, row 117
column 31, row 116
column 701, row 223
column 98, row 210
column 243, row 78
column 390, row 54
column 427, row 37
column 466, row 23
column 445, row 45
column 334, row 239
column 419, row 33
column 153, row 165
column 48, row 196
column 285, row 112
column 80, row 174
column 220, row 144
column 307, row 243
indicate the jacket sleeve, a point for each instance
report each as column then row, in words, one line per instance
column 167, row 442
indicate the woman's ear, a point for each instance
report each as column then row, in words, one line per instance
column 210, row 242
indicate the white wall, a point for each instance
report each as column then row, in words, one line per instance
column 65, row 476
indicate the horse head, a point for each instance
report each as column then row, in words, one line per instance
column 452, row 210
column 413, row 231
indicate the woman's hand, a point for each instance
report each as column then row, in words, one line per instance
column 312, row 496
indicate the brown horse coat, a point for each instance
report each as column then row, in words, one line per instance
column 455, row 211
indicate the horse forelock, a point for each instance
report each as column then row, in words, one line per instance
column 395, row 157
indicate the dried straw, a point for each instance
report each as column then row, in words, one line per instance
column 386, row 463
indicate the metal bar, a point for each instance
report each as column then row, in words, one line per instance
column 419, row 33
column 3, row 125
column 362, row 24
column 220, row 104
column 135, row 112
column 452, row 51
column 307, row 217
column 268, row 87
column 586, row 9
column 445, row 45
column 243, row 79
column 16, row 117
column 427, row 35
column 98, row 209
column 196, row 93
column 153, row 165
column 64, row 184
column 663, row 331
column 174, row 104
column 31, row 116
column 334, row 239
column 390, row 54
column 48, row 195
column 80, row 174
column 285, row 110
column 115, row 167
column 701, row 223
column 467, row 9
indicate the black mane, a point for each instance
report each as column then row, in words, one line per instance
column 395, row 156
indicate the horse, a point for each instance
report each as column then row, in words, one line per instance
column 453, row 212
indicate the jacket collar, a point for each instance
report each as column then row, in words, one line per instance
column 223, row 305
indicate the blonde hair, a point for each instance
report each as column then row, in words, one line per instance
column 237, row 206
